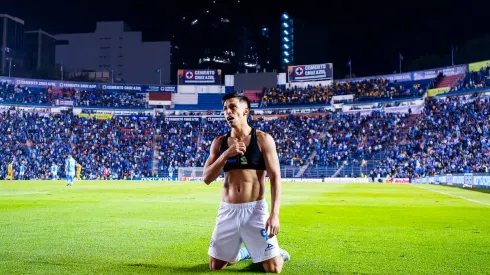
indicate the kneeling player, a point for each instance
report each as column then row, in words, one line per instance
column 244, row 154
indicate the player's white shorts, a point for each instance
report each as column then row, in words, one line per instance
column 243, row 222
column 21, row 173
column 71, row 174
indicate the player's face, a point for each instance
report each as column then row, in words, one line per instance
column 235, row 111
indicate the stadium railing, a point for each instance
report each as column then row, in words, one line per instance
column 467, row 180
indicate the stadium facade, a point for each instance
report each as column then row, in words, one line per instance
column 12, row 44
column 115, row 49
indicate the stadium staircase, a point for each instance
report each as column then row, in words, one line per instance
column 336, row 174
column 310, row 159
column 156, row 153
column 449, row 81
column 253, row 95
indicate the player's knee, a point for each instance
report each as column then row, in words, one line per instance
column 215, row 264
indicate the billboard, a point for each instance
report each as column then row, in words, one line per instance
column 446, row 71
column 477, row 66
column 199, row 77
column 313, row 72
column 255, row 81
column 391, row 77
column 87, row 86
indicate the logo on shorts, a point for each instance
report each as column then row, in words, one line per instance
column 263, row 233
column 269, row 247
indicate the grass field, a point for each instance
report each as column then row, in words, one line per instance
column 124, row 227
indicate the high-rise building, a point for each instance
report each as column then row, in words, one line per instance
column 287, row 41
column 218, row 38
column 114, row 49
column 267, row 47
column 40, row 53
column 12, row 45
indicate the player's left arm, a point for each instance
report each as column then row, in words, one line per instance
column 269, row 152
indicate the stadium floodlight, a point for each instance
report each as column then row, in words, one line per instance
column 286, row 53
column 285, row 25
column 194, row 22
column 286, row 39
column 286, row 32
column 286, row 46
column 286, row 60
column 285, row 16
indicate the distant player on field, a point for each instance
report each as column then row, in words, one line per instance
column 10, row 171
column 54, row 171
column 79, row 171
column 170, row 172
column 70, row 170
column 22, row 171
column 244, row 154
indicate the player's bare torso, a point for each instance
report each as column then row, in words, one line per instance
column 244, row 185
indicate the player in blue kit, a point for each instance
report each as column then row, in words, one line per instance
column 54, row 171
column 70, row 170
column 22, row 171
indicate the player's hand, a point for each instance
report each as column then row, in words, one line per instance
column 235, row 149
column 272, row 226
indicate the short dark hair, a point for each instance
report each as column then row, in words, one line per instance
column 240, row 97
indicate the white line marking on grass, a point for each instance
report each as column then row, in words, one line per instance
column 18, row 193
column 451, row 195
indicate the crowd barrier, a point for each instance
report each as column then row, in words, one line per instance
column 469, row 180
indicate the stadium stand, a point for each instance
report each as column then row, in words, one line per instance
column 17, row 94
column 314, row 137
column 369, row 90
column 109, row 98
column 39, row 139
column 10, row 93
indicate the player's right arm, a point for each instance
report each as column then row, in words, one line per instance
column 215, row 162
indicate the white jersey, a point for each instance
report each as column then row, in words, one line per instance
column 70, row 166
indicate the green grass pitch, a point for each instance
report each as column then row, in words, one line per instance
column 123, row 227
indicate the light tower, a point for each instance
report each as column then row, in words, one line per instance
column 287, row 41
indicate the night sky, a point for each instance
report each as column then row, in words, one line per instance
column 370, row 32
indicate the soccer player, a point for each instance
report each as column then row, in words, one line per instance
column 245, row 154
column 106, row 173
column 79, row 171
column 170, row 172
column 54, row 171
column 70, row 170
column 22, row 171
column 10, row 171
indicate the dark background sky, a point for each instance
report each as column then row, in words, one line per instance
column 372, row 33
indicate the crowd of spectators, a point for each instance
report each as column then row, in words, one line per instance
column 178, row 142
column 103, row 98
column 452, row 135
column 354, row 137
column 18, row 94
column 373, row 89
column 110, row 98
column 474, row 80
column 39, row 140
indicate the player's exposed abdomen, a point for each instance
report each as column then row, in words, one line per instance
column 243, row 185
